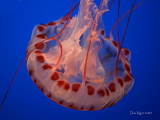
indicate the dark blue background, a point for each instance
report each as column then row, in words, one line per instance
column 26, row 102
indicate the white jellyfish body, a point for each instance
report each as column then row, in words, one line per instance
column 62, row 82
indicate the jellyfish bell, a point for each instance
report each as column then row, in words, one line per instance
column 84, row 77
column 74, row 64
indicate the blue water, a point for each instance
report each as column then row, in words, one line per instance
column 26, row 102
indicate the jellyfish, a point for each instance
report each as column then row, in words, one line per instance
column 75, row 64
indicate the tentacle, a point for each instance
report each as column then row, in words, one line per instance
column 111, row 35
column 110, row 4
column 115, row 70
column 115, row 73
column 94, row 26
column 68, row 14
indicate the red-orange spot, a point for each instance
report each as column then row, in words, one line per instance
column 66, row 86
column 82, row 108
column 91, row 108
column 49, row 95
column 42, row 90
column 30, row 72
column 75, row 87
column 102, row 32
column 115, row 43
column 61, row 102
column 40, row 58
column 126, row 51
column 127, row 78
column 127, row 67
column 101, row 92
column 26, row 51
column 51, row 23
column 112, row 87
column 62, row 23
column 40, row 28
column 39, row 45
column 35, row 81
column 55, row 76
column 120, row 81
column 38, row 52
column 47, row 66
column 90, row 90
column 107, row 92
column 42, row 36
column 60, row 83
